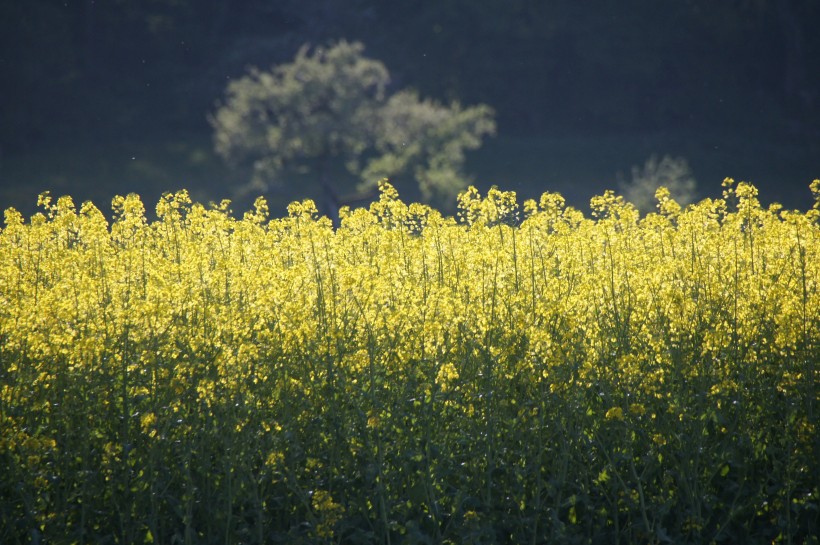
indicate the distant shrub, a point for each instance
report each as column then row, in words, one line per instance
column 328, row 112
column 673, row 173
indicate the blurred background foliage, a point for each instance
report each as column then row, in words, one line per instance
column 110, row 97
column 327, row 112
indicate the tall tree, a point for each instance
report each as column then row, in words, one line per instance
column 329, row 109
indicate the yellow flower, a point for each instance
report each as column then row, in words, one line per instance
column 275, row 459
column 147, row 422
column 328, row 511
column 446, row 375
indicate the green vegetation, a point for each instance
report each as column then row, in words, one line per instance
column 330, row 107
column 513, row 375
column 673, row 173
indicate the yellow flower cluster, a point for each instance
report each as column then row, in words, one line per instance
column 329, row 513
column 408, row 358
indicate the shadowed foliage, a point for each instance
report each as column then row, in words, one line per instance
column 328, row 109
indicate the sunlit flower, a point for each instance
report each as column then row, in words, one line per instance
column 615, row 413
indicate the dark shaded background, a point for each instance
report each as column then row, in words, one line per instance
column 111, row 96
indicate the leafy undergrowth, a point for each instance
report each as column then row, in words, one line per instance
column 506, row 376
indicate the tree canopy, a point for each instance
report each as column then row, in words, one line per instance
column 329, row 110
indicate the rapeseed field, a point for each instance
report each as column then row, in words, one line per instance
column 514, row 374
